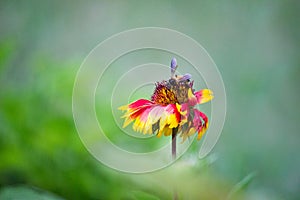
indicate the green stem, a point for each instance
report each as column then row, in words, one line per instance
column 174, row 134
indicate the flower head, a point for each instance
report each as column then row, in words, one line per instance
column 171, row 107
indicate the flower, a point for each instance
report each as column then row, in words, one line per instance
column 171, row 107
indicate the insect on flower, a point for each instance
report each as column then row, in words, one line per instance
column 171, row 108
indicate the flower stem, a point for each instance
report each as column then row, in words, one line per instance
column 174, row 134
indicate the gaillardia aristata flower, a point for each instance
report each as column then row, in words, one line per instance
column 172, row 107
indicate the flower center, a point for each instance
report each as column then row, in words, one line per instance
column 163, row 95
column 172, row 91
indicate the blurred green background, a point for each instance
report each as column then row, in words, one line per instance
column 255, row 46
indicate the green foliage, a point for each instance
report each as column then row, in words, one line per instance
column 143, row 196
column 17, row 193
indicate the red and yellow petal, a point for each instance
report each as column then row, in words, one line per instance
column 184, row 111
column 173, row 116
column 146, row 113
column 134, row 110
column 204, row 96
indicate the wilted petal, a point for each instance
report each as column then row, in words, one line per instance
column 200, row 122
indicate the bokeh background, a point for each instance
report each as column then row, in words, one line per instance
column 255, row 45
